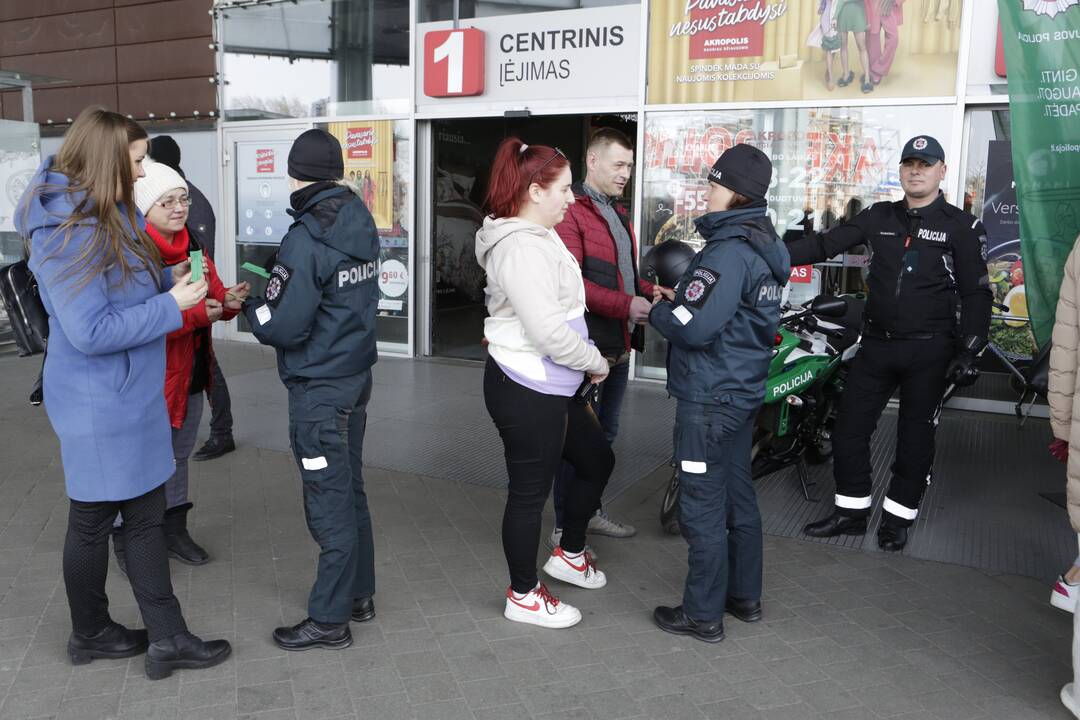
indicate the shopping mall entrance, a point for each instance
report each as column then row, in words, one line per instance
column 461, row 160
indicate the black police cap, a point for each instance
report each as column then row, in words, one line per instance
column 924, row 148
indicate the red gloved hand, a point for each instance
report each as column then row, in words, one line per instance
column 1060, row 450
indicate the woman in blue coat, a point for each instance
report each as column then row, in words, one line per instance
column 110, row 306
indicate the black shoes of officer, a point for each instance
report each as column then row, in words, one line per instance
column 181, row 546
column 312, row 634
column 836, row 524
column 677, row 622
column 746, row 610
column 115, row 641
column 215, row 447
column 891, row 538
column 183, row 651
column 363, row 609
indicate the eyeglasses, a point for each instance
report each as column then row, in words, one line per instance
column 556, row 154
column 171, row 203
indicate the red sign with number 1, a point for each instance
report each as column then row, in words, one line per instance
column 454, row 63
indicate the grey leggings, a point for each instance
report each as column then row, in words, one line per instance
column 183, row 442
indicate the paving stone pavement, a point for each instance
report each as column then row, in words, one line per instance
column 847, row 634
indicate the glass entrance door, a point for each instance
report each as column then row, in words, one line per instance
column 461, row 162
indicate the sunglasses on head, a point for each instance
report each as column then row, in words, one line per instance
column 556, row 154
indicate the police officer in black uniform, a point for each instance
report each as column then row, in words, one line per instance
column 319, row 312
column 928, row 257
column 721, row 324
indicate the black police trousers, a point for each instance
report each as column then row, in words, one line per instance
column 327, row 420
column 917, row 367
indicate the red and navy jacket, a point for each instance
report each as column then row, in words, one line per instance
column 588, row 237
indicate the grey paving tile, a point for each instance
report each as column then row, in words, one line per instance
column 31, row 704
column 259, row 698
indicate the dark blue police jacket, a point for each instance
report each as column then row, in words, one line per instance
column 323, row 292
column 722, row 325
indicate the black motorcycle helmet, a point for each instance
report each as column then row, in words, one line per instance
column 666, row 262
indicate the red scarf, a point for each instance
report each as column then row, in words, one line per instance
column 171, row 252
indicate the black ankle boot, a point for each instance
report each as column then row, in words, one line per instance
column 181, row 545
column 119, row 545
column 183, row 651
column 363, row 609
column 115, row 641
column 836, row 524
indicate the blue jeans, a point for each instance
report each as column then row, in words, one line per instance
column 607, row 408
column 718, row 509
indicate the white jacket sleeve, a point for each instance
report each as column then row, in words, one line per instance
column 531, row 284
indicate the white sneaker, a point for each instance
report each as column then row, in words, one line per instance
column 1069, row 700
column 555, row 539
column 602, row 524
column 580, row 571
column 540, row 607
column 1064, row 595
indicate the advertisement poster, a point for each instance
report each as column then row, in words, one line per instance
column 1042, row 50
column 262, row 192
column 367, row 148
column 703, row 51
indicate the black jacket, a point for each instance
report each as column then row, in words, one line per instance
column 323, row 292
column 924, row 262
column 201, row 223
column 722, row 325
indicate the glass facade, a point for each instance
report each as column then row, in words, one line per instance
column 315, row 58
column 434, row 10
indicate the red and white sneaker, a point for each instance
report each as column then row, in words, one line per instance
column 1064, row 595
column 540, row 607
column 580, row 570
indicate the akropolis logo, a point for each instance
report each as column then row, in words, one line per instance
column 1050, row 8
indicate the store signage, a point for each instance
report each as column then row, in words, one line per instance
column 454, row 63
column 532, row 60
column 802, row 273
column 707, row 51
column 358, row 142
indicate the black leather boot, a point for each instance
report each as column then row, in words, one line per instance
column 115, row 641
column 183, row 651
column 119, row 548
column 363, row 609
column 674, row 620
column 311, row 634
column 181, row 545
column 836, row 524
column 891, row 538
column 215, row 447
column 746, row 610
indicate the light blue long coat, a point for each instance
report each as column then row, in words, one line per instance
column 105, row 367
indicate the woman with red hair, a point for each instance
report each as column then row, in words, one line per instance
column 538, row 357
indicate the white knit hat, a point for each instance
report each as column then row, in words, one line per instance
column 160, row 179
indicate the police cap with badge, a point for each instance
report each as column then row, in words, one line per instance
column 925, row 148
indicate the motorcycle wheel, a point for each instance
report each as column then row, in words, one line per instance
column 669, row 508
column 820, row 451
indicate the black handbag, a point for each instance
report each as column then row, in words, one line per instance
column 26, row 314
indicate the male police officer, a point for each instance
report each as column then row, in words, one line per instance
column 927, row 256
column 721, row 322
column 319, row 312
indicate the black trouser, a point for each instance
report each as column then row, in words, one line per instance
column 327, row 421
column 220, row 402
column 86, row 562
column 538, row 431
column 918, row 368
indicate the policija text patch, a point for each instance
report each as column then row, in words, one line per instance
column 698, row 287
column 275, row 286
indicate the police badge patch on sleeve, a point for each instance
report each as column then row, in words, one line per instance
column 698, row 287
column 275, row 286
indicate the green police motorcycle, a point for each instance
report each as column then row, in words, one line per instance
column 815, row 345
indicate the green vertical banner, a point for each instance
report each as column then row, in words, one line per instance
column 1042, row 57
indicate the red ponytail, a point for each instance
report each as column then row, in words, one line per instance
column 515, row 168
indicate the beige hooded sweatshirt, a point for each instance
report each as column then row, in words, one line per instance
column 536, row 302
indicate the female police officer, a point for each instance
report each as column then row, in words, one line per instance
column 319, row 312
column 721, row 323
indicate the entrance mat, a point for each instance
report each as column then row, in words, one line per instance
column 985, row 507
